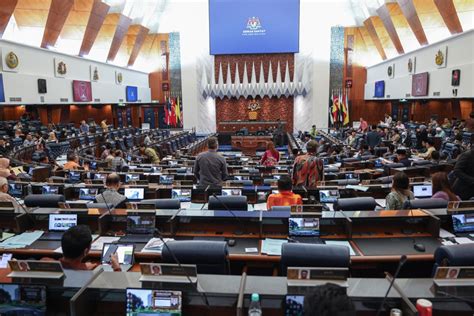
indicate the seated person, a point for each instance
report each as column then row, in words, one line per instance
column 72, row 162
column 442, row 188
column 328, row 300
column 284, row 197
column 429, row 145
column 118, row 162
column 76, row 244
column 111, row 195
column 5, row 197
column 150, row 153
column 401, row 193
column 402, row 157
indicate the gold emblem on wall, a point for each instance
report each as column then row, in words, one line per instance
column 389, row 71
column 253, row 108
column 410, row 65
column 11, row 60
column 439, row 58
column 62, row 68
column 118, row 77
column 95, row 76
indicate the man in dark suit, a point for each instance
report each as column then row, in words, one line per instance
column 464, row 172
column 373, row 137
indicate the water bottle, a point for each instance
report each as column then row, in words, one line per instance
column 254, row 308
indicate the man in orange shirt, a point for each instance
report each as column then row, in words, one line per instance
column 285, row 196
column 72, row 162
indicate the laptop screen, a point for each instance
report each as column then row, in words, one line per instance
column 15, row 190
column 19, row 299
column 100, row 176
column 141, row 224
column 303, row 226
column 294, row 305
column 154, row 302
column 422, row 191
column 241, row 178
column 183, row 195
column 74, row 176
column 88, row 194
column 124, row 253
column 166, row 179
column 227, row 192
column 463, row 223
column 131, row 177
column 134, row 194
column 328, row 196
column 48, row 189
column 62, row 222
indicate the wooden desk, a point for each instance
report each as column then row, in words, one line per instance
column 252, row 126
column 249, row 144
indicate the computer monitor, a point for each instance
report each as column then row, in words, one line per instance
column 244, row 159
column 423, row 191
column 141, row 223
column 62, row 222
column 155, row 169
column 303, row 226
column 154, row 302
column 15, row 189
column 50, row 189
column 23, row 299
column 241, row 178
column 74, row 176
column 93, row 165
column 166, row 179
column 262, row 196
column 88, row 194
column 134, row 194
column 124, row 253
column 352, row 176
column 183, row 195
column 463, row 223
column 100, row 176
column 277, row 177
column 227, row 192
column 378, row 163
column 172, row 163
column 328, row 196
column 129, row 177
column 294, row 305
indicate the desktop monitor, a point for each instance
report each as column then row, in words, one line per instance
column 141, row 223
column 49, row 189
column 74, row 176
column 93, row 165
column 303, row 226
column 463, row 223
column 294, row 305
column 352, row 176
column 131, row 177
column 227, row 192
column 241, row 178
column 62, row 222
column 328, row 196
column 166, row 179
column 153, row 302
column 20, row 299
column 88, row 194
column 423, row 191
column 100, row 176
column 15, row 190
column 172, row 163
column 183, row 195
column 378, row 163
column 134, row 194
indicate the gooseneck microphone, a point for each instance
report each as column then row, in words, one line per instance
column 175, row 259
column 237, row 232
column 402, row 261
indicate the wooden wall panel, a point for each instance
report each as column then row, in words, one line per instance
column 96, row 19
column 151, row 48
column 120, row 32
column 466, row 108
column 375, row 39
column 58, row 13
column 139, row 41
column 409, row 11
column 450, row 17
column 6, row 11
column 12, row 113
column 384, row 15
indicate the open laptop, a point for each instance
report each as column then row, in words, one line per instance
column 140, row 227
column 228, row 192
column 328, row 196
column 124, row 253
column 74, row 176
column 423, row 191
column 23, row 299
column 88, row 194
column 183, row 195
column 304, row 230
column 463, row 224
column 15, row 190
column 49, row 189
column 294, row 305
column 58, row 224
column 134, row 194
column 166, row 179
column 129, row 177
column 155, row 302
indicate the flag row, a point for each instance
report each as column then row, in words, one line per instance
column 240, row 86
column 339, row 106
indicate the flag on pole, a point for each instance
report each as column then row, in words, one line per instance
column 345, row 107
column 178, row 113
column 173, row 113
column 166, row 113
column 331, row 102
column 335, row 108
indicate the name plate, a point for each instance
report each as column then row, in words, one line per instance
column 161, row 272
column 299, row 276
column 35, row 269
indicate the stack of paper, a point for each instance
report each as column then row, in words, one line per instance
column 272, row 247
column 99, row 243
column 155, row 245
column 22, row 240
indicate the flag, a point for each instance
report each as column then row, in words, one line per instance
column 335, row 108
column 173, row 113
column 345, row 107
column 178, row 113
column 331, row 101
column 166, row 113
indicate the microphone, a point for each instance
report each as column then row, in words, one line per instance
column 238, row 232
column 402, row 261
column 24, row 210
column 106, row 204
column 175, row 259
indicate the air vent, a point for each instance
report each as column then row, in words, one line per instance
column 64, row 100
column 96, row 100
column 120, row 100
column 41, row 99
column 436, row 94
column 15, row 99
column 387, row 96
column 407, row 95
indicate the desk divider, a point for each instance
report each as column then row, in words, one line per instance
column 407, row 306
column 240, row 299
column 79, row 301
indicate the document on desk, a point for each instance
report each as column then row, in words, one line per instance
column 357, row 187
column 258, row 207
column 443, row 233
column 22, row 240
column 155, row 245
column 99, row 243
column 272, row 247
column 463, row 240
column 5, row 236
column 341, row 243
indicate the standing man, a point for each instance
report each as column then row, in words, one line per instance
column 313, row 133
column 210, row 168
column 308, row 169
column 84, row 127
column 373, row 138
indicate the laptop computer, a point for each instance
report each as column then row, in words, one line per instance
column 140, row 227
column 49, row 189
column 134, row 194
column 229, row 192
column 24, row 299
column 156, row 302
column 183, row 195
column 304, row 230
column 328, row 196
column 463, row 224
column 15, row 190
column 124, row 253
column 58, row 224
column 88, row 194
column 131, row 177
column 166, row 179
column 423, row 191
column 74, row 176
column 294, row 305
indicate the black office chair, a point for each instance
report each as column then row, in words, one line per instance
column 314, row 255
column 234, row 203
column 40, row 200
column 210, row 257
column 421, row 162
column 385, row 180
column 454, row 255
column 426, row 204
column 163, row 204
column 355, row 204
